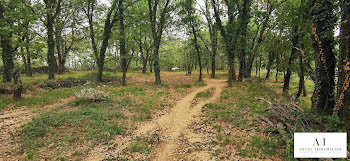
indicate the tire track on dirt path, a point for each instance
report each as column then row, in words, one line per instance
column 12, row 119
column 171, row 127
column 175, row 124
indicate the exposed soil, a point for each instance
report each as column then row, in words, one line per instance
column 12, row 119
column 174, row 131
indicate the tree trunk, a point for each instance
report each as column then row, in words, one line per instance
column 29, row 72
column 295, row 41
column 7, row 50
column 59, row 49
column 324, row 20
column 157, row 31
column 269, row 65
column 143, row 57
column 230, row 42
column 18, row 87
column 249, row 64
column 195, row 41
column 122, row 41
column 256, row 66
column 343, row 101
column 150, row 65
column 244, row 20
column 51, row 59
column 109, row 21
column 301, row 89
column 7, row 57
column 259, row 66
column 213, row 33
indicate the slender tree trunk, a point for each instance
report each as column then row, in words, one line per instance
column 301, row 89
column 24, row 59
column 111, row 18
column 324, row 20
column 151, row 65
column 295, row 41
column 143, row 57
column 269, row 65
column 29, row 72
column 18, row 87
column 213, row 33
column 122, row 41
column 249, row 64
column 256, row 66
column 259, row 66
column 156, row 63
column 58, row 48
column 195, row 41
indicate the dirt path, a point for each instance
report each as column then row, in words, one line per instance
column 12, row 119
column 172, row 128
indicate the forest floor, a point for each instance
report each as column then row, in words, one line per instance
column 178, row 120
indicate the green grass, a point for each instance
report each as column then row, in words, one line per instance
column 69, row 128
column 40, row 98
column 264, row 145
column 204, row 94
column 139, row 145
column 182, row 86
column 239, row 107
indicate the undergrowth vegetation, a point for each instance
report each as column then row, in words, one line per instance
column 236, row 120
column 98, row 112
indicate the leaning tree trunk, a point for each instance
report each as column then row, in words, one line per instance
column 195, row 41
column 295, row 41
column 101, row 59
column 324, row 20
column 343, row 102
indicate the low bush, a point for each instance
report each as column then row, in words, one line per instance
column 63, row 83
column 92, row 95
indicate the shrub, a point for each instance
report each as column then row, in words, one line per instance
column 63, row 83
column 92, row 95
